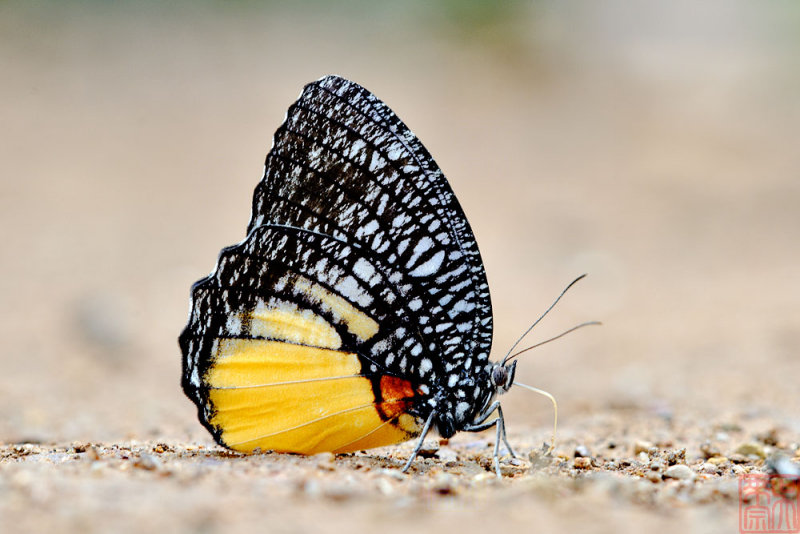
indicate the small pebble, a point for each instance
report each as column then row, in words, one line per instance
column 739, row 458
column 448, row 456
column 708, row 468
column 92, row 454
column 325, row 461
column 445, row 484
column 641, row 446
column 752, row 448
column 79, row 447
column 429, row 448
column 709, row 450
column 769, row 437
column 581, row 451
column 582, row 462
column 514, row 466
column 718, row 460
column 539, row 459
column 679, row 471
column 783, row 466
column 24, row 449
column 676, row 456
column 656, row 465
column 148, row 462
column 653, row 476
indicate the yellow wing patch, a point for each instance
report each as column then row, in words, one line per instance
column 278, row 396
column 302, row 327
column 356, row 321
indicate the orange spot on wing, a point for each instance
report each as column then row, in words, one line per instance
column 397, row 396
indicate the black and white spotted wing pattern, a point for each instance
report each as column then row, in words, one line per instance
column 352, row 203
column 343, row 164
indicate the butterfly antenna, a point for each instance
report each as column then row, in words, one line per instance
column 514, row 346
column 562, row 334
column 555, row 410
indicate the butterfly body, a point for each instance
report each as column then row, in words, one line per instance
column 356, row 312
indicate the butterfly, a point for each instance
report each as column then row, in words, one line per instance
column 356, row 312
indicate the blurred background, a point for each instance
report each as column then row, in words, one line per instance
column 653, row 145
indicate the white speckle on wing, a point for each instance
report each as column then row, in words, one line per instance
column 382, row 205
column 369, row 228
column 395, row 152
column 363, row 269
column 403, row 245
column 422, row 246
column 425, row 366
column 349, row 288
column 375, row 163
column 429, row 267
column 400, row 221
column 234, row 325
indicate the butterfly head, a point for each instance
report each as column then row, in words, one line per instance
column 502, row 376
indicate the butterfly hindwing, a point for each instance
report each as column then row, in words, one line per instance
column 290, row 338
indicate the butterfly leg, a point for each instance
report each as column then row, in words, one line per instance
column 422, row 435
column 500, row 424
column 479, row 425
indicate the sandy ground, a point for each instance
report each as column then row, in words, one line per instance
column 660, row 157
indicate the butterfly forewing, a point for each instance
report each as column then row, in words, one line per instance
column 357, row 297
column 345, row 165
